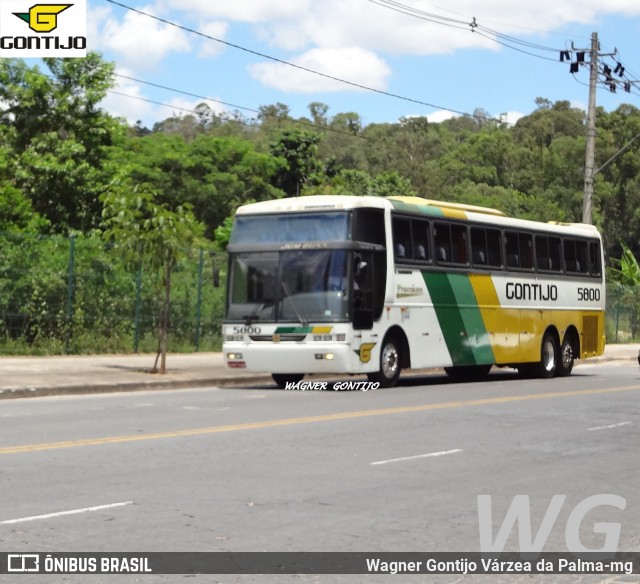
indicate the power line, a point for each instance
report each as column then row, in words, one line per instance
column 289, row 64
column 471, row 25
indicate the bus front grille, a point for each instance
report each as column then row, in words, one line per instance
column 279, row 338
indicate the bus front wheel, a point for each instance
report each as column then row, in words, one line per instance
column 390, row 359
column 546, row 367
column 282, row 379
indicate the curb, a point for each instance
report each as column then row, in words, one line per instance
column 47, row 391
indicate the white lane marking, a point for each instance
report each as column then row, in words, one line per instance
column 609, row 426
column 429, row 455
column 61, row 513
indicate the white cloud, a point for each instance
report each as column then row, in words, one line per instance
column 355, row 64
column 441, row 116
column 216, row 29
column 511, row 117
column 298, row 25
column 127, row 101
column 243, row 10
column 137, row 40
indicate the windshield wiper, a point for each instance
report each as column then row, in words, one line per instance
column 304, row 321
column 249, row 318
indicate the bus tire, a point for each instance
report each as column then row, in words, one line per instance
column 282, row 379
column 566, row 358
column 549, row 357
column 390, row 359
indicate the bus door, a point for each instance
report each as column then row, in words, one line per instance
column 368, row 288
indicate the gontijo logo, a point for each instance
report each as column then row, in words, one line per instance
column 43, row 17
column 42, row 30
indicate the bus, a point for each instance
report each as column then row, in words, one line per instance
column 333, row 284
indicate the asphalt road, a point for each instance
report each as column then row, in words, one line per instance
column 260, row 469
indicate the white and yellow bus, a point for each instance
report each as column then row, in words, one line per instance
column 373, row 285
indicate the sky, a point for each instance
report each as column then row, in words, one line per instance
column 436, row 59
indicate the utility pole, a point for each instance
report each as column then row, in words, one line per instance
column 589, row 163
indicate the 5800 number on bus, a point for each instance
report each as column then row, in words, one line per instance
column 589, row 294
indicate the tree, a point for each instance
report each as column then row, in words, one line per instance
column 59, row 136
column 214, row 175
column 148, row 232
column 298, row 148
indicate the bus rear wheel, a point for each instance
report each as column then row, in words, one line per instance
column 390, row 359
column 282, row 379
column 566, row 358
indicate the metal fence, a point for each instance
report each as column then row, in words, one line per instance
column 77, row 295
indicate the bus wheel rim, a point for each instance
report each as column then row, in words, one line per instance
column 567, row 355
column 389, row 361
column 548, row 355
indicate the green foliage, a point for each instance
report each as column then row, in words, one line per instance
column 626, row 270
column 222, row 234
column 56, row 147
column 213, row 175
column 625, row 286
column 34, row 286
column 297, row 148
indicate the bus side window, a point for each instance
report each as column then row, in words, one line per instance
column 459, row 244
column 486, row 247
column 548, row 253
column 511, row 250
column 479, row 246
column 402, row 238
column 494, row 248
column 582, row 261
column 526, row 251
column 570, row 261
column 519, row 250
column 594, row 253
column 555, row 254
column 542, row 253
column 442, row 240
column 420, row 240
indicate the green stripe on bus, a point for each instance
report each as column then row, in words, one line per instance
column 293, row 330
column 460, row 318
column 411, row 208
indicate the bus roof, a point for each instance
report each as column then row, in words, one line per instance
column 415, row 205
column 313, row 203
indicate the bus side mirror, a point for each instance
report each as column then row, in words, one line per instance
column 362, row 319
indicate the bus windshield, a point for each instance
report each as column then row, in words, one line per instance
column 289, row 286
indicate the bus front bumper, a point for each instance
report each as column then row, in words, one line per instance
column 294, row 358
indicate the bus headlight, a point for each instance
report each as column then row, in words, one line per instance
column 234, row 356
